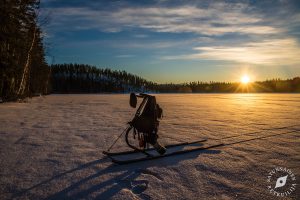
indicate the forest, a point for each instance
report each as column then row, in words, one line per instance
column 23, row 69
column 79, row 78
column 268, row 86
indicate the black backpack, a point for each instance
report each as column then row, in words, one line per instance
column 147, row 120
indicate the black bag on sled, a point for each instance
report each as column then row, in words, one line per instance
column 147, row 122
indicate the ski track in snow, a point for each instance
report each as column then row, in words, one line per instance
column 51, row 147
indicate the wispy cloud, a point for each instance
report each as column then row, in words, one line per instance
column 258, row 33
column 125, row 56
column 140, row 36
column 217, row 19
column 268, row 52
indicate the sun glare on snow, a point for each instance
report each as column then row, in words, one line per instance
column 245, row 79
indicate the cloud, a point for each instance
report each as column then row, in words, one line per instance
column 125, row 56
column 140, row 36
column 237, row 32
column 217, row 19
column 267, row 52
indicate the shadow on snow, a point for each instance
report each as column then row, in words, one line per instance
column 123, row 177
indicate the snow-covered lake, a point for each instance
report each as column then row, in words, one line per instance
column 51, row 147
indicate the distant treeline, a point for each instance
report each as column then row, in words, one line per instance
column 77, row 78
column 273, row 85
column 23, row 70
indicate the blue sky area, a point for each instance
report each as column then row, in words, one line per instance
column 177, row 40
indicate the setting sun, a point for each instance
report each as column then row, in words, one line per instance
column 245, row 79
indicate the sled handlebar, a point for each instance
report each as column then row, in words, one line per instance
column 133, row 99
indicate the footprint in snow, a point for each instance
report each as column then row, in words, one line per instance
column 137, row 187
column 150, row 173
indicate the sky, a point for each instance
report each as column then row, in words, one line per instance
column 177, row 40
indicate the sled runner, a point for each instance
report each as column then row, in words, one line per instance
column 142, row 131
column 171, row 150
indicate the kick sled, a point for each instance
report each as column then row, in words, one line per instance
column 142, row 132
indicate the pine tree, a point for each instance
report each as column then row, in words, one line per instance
column 22, row 59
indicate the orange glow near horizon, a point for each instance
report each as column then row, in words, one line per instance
column 245, row 79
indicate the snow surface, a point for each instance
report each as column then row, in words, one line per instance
column 51, row 147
